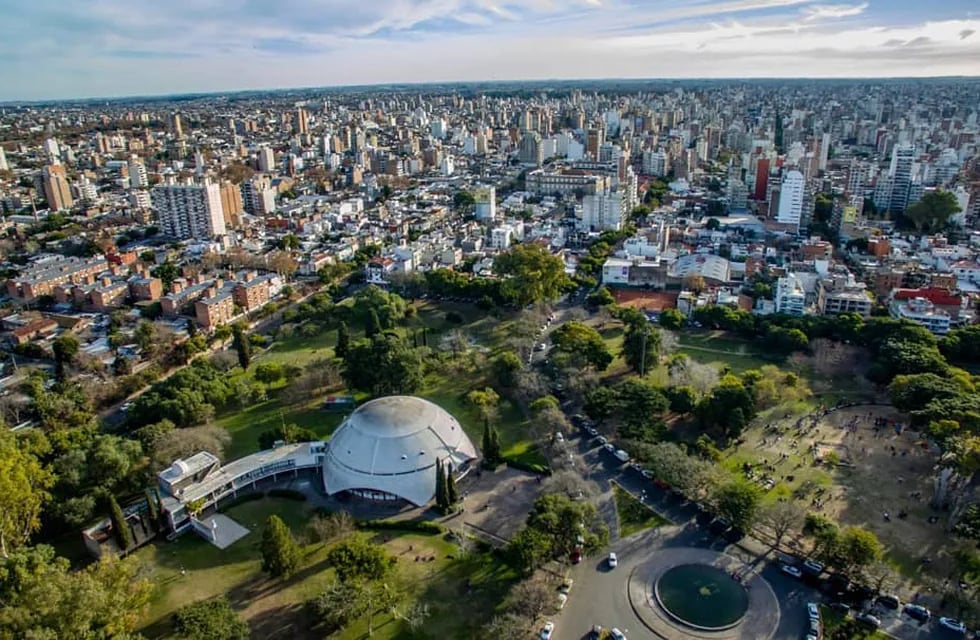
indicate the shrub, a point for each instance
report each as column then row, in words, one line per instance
column 533, row 467
column 418, row 526
column 288, row 494
column 241, row 498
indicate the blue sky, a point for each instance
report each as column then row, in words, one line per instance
column 57, row 49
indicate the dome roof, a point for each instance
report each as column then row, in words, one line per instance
column 391, row 444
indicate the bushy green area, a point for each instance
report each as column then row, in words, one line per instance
column 634, row 516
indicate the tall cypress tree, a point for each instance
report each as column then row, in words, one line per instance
column 343, row 341
column 452, row 493
column 440, row 486
column 242, row 346
column 153, row 509
column 280, row 553
column 119, row 525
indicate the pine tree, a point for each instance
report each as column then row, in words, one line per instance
column 242, row 346
column 440, row 486
column 452, row 493
column 119, row 525
column 487, row 443
column 425, row 337
column 343, row 341
column 373, row 326
column 280, row 553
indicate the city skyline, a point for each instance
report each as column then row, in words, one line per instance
column 110, row 49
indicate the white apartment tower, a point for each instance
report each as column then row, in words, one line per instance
column 903, row 162
column 604, row 211
column 267, row 159
column 486, row 204
column 3, row 160
column 791, row 198
column 189, row 211
column 137, row 174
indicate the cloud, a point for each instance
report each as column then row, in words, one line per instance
column 833, row 11
column 966, row 33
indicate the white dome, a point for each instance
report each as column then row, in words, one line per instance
column 391, row 445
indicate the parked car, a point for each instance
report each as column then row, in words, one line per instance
column 814, row 627
column 575, row 557
column 612, row 560
column 647, row 474
column 621, row 455
column 540, row 346
column 547, row 630
column 813, row 567
column 616, row 634
column 917, row 612
column 609, row 447
column 952, row 624
column 566, row 586
column 791, row 570
column 562, row 599
column 868, row 619
column 889, row 601
column 719, row 525
column 601, row 440
column 813, row 610
column 591, row 431
column 596, row 632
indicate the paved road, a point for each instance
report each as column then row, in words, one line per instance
column 599, row 595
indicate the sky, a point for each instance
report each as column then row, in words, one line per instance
column 95, row 48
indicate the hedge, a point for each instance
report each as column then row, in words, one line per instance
column 540, row 469
column 289, row 494
column 419, row 526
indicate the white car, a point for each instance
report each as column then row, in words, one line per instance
column 953, row 625
column 562, row 599
column 608, row 447
column 541, row 347
column 612, row 560
column 547, row 630
column 813, row 610
column 616, row 634
column 790, row 570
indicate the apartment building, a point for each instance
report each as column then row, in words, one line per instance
column 43, row 275
column 215, row 310
column 841, row 294
column 189, row 211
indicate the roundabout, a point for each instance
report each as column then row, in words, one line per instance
column 689, row 592
column 702, row 597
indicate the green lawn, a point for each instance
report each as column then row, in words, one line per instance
column 634, row 516
column 245, row 425
column 461, row 593
column 715, row 347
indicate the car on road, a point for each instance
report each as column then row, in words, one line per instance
column 868, row 620
column 596, row 632
column 575, row 557
column 813, row 610
column 889, row 601
column 562, row 599
column 601, row 440
column 566, row 586
column 540, row 346
column 547, row 630
column 616, row 634
column 609, row 447
column 815, row 627
column 591, row 431
column 647, row 474
column 952, row 624
column 791, row 570
column 621, row 455
column 612, row 560
column 813, row 567
column 917, row 612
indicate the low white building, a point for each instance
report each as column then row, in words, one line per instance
column 923, row 312
column 790, row 296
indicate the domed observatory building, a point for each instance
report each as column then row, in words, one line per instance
column 387, row 449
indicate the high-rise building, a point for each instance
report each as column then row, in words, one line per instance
column 267, row 159
column 189, row 211
column 302, row 124
column 176, row 127
column 231, row 205
column 3, row 160
column 56, row 189
column 530, row 150
column 51, row 149
column 486, row 204
column 654, row 163
column 137, row 174
column 791, row 198
column 903, row 161
column 603, row 211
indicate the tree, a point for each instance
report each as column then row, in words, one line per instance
column 859, row 548
column 210, row 620
column 124, row 537
column 486, row 401
column 730, row 407
column 145, row 336
column 288, row 433
column 24, row 489
column 280, row 553
column 490, row 445
column 600, row 298
column 43, row 598
column 694, row 282
column 325, row 528
column 671, row 319
column 531, row 274
column 242, row 346
column 641, row 346
column 529, row 549
column 452, row 493
column 356, row 559
column 441, row 501
column 383, row 365
column 683, row 398
column 373, row 326
column 782, row 518
column 65, row 350
column 340, row 603
column 738, row 501
column 583, row 341
column 933, row 211
column 713, row 224
column 343, row 341
column 508, row 626
column 532, row 597
column 505, row 368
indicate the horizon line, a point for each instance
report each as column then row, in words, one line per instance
column 380, row 85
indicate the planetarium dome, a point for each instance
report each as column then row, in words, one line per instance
column 388, row 447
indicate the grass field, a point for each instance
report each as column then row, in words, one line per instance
column 837, row 626
column 634, row 516
column 716, row 347
column 461, row 593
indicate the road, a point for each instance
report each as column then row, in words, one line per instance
column 599, row 594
